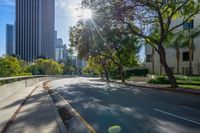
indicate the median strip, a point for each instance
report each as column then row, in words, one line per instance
column 70, row 109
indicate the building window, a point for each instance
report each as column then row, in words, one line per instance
column 148, row 58
column 186, row 56
column 188, row 25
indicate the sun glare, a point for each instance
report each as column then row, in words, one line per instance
column 87, row 14
column 82, row 13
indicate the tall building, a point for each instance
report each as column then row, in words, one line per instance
column 60, row 49
column 35, row 29
column 10, row 39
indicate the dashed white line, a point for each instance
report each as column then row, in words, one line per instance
column 177, row 116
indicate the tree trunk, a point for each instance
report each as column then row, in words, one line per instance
column 168, row 71
column 122, row 77
column 153, row 52
column 177, row 59
column 190, row 56
column 107, row 75
column 160, row 68
column 121, row 73
column 102, row 76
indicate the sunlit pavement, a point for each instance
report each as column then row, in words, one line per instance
column 134, row 109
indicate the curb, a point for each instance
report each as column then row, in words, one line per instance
column 58, row 118
column 70, row 109
column 179, row 90
column 77, row 115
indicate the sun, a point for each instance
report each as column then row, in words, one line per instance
column 87, row 14
column 82, row 13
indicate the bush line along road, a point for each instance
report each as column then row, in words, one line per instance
column 134, row 109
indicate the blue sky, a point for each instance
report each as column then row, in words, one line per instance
column 64, row 19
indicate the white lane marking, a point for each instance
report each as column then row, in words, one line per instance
column 180, row 117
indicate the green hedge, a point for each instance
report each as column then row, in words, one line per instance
column 137, row 72
column 159, row 80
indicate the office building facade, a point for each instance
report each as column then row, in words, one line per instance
column 35, row 29
column 153, row 61
column 10, row 45
column 61, row 50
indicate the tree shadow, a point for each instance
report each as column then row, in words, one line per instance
column 36, row 115
column 104, row 105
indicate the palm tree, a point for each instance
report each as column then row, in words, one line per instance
column 189, row 36
column 176, row 42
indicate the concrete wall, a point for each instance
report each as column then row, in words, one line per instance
column 10, row 89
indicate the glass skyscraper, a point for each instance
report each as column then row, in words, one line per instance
column 10, row 40
column 35, row 20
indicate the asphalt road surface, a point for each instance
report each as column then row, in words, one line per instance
column 134, row 109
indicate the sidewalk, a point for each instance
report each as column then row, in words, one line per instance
column 38, row 114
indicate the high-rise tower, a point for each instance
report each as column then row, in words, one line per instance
column 35, row 29
column 10, row 45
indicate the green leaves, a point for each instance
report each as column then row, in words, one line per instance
column 9, row 66
column 45, row 67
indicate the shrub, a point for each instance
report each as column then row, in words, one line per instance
column 136, row 72
column 159, row 80
column 9, row 66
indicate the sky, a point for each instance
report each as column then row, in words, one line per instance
column 64, row 18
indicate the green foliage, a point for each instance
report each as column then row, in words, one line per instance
column 45, row 67
column 188, row 78
column 108, row 50
column 94, row 67
column 10, row 66
column 137, row 72
column 68, row 68
column 159, row 80
column 189, row 82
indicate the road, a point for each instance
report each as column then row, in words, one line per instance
column 134, row 109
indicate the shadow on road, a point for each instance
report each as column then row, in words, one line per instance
column 104, row 105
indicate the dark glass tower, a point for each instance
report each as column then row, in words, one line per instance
column 10, row 39
column 35, row 29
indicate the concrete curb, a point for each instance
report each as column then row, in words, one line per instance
column 76, row 116
column 58, row 118
column 179, row 90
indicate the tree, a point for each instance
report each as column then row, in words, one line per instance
column 177, row 41
column 189, row 36
column 9, row 66
column 105, row 44
column 94, row 67
column 144, row 17
column 45, row 67
column 68, row 67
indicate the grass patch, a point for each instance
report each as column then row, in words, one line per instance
column 188, row 78
column 190, row 87
column 188, row 83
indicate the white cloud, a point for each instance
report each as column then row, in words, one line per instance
column 65, row 16
column 65, row 9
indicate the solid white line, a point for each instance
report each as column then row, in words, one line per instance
column 180, row 117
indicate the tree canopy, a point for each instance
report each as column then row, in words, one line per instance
column 151, row 21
